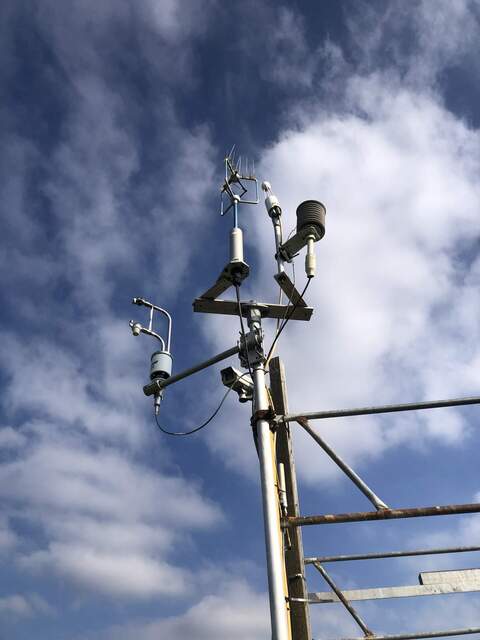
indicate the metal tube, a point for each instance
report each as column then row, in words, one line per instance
column 364, row 488
column 427, row 634
column 235, row 211
column 169, row 321
column 156, row 385
column 387, row 408
column 146, row 303
column 273, row 536
column 384, row 514
column 150, row 323
column 277, row 228
column 351, row 610
column 389, row 554
column 154, row 335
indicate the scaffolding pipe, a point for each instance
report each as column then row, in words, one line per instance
column 427, row 634
column 384, row 514
column 338, row 592
column 386, row 408
column 348, row 471
column 389, row 554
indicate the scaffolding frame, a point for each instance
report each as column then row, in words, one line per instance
column 298, row 597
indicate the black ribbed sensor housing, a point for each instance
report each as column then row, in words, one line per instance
column 311, row 213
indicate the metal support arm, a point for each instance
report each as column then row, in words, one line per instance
column 387, row 408
column 384, row 514
column 157, row 385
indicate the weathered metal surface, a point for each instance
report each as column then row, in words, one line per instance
column 294, row 562
column 407, row 591
column 427, row 634
column 343, row 598
column 347, row 470
column 453, row 577
column 385, row 514
column 221, row 285
column 274, row 537
column 389, row 554
column 230, row 308
column 387, row 408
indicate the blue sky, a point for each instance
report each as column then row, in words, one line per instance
column 115, row 119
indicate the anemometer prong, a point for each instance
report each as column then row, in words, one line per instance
column 161, row 361
column 137, row 329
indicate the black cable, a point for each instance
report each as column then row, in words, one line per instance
column 188, row 433
column 287, row 318
column 242, row 327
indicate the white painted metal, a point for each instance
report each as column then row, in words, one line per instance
column 452, row 576
column 273, row 536
column 381, row 593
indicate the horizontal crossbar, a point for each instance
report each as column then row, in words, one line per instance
column 422, row 635
column 230, row 308
column 383, row 514
column 386, row 408
column 389, row 554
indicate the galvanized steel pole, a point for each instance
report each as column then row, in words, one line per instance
column 386, row 408
column 271, row 515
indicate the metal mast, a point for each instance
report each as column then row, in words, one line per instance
column 240, row 187
column 272, row 421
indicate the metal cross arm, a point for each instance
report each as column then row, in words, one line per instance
column 390, row 554
column 156, row 385
column 268, row 310
column 386, row 408
column 383, row 514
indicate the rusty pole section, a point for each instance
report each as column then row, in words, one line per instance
column 386, row 408
column 384, row 514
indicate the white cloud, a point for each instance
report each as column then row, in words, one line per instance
column 10, row 438
column 394, row 319
column 73, row 470
column 234, row 611
column 109, row 521
column 21, row 606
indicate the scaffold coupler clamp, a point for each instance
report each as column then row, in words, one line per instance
column 264, row 414
column 251, row 348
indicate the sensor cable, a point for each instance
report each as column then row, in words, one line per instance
column 287, row 318
column 242, row 327
column 188, row 433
